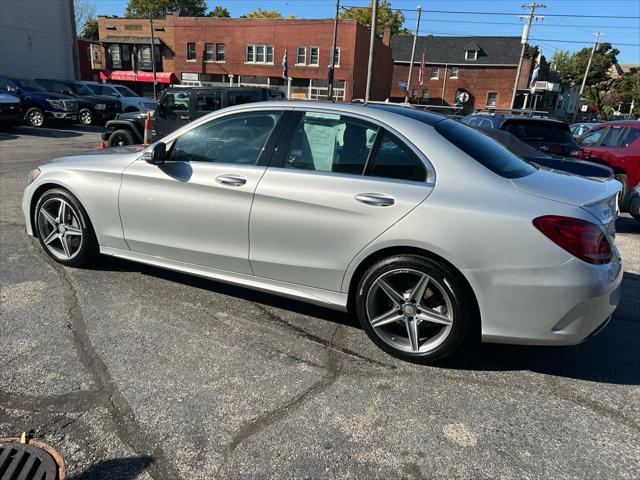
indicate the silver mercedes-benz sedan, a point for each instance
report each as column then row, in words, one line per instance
column 431, row 232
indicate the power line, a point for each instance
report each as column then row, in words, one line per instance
column 430, row 19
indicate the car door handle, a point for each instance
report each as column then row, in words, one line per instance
column 232, row 180
column 376, row 199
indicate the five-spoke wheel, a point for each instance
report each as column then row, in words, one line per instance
column 63, row 228
column 414, row 307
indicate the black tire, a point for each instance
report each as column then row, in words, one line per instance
column 624, row 193
column 88, row 246
column 85, row 116
column 121, row 137
column 464, row 313
column 34, row 117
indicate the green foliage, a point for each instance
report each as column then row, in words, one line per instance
column 90, row 29
column 260, row 13
column 219, row 11
column 386, row 16
column 160, row 8
column 559, row 59
column 627, row 86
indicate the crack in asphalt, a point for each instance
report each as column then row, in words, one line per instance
column 122, row 416
column 333, row 367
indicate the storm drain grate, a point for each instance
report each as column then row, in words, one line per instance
column 26, row 461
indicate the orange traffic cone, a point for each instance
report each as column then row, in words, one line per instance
column 147, row 129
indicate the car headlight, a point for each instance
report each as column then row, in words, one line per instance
column 33, row 174
column 55, row 104
column 101, row 106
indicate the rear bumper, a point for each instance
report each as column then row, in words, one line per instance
column 561, row 305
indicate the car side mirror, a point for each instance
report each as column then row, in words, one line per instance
column 156, row 156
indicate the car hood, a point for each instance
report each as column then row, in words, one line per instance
column 108, row 159
column 97, row 99
column 132, row 115
column 594, row 195
column 48, row 96
column 8, row 98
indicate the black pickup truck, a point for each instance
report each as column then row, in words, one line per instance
column 179, row 106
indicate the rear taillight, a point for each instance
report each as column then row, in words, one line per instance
column 580, row 238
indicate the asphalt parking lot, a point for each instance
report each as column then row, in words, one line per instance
column 134, row 372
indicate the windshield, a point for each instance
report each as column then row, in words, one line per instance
column 539, row 131
column 101, row 90
column 125, row 92
column 30, row 86
column 80, row 89
column 484, row 150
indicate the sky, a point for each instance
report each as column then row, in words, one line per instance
column 551, row 33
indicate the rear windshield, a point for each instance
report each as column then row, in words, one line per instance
column 484, row 150
column 539, row 131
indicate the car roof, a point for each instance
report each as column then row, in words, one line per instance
column 628, row 123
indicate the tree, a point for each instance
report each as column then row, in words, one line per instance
column 90, row 29
column 83, row 10
column 386, row 16
column 599, row 81
column 627, row 86
column 559, row 59
column 219, row 11
column 160, row 8
column 260, row 13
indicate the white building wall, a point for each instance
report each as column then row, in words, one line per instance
column 37, row 39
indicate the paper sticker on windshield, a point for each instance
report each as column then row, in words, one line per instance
column 323, row 116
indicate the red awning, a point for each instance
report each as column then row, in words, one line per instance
column 131, row 76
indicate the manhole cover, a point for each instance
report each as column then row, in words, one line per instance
column 34, row 460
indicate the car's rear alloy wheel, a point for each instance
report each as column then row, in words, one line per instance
column 63, row 228
column 35, row 117
column 86, row 118
column 414, row 308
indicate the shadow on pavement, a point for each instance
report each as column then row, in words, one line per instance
column 610, row 357
column 627, row 225
column 116, row 469
column 53, row 131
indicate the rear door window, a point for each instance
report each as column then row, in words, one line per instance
column 539, row 131
column 394, row 159
column 632, row 136
column 208, row 101
column 614, row 136
column 240, row 97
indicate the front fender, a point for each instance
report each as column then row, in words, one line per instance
column 117, row 124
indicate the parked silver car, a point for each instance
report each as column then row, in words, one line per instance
column 427, row 229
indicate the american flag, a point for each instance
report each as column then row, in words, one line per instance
column 285, row 67
column 421, row 71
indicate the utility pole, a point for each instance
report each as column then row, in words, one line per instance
column 153, row 58
column 593, row 51
column 332, row 60
column 374, row 23
column 413, row 55
column 525, row 38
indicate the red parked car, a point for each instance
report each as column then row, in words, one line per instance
column 617, row 145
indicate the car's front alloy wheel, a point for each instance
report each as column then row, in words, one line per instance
column 63, row 228
column 86, row 118
column 414, row 308
column 35, row 117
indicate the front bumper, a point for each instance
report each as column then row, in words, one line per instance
column 58, row 115
column 561, row 305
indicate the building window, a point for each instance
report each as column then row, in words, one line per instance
column 336, row 57
column 301, row 56
column 492, row 99
column 454, row 72
column 208, row 52
column 471, row 55
column 191, row 51
column 435, row 73
column 425, row 94
column 414, row 94
column 220, row 52
column 259, row 54
column 114, row 55
column 314, row 56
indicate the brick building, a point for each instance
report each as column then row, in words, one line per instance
column 242, row 51
column 483, row 67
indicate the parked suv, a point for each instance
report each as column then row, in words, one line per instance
column 130, row 101
column 179, row 106
column 92, row 108
column 617, row 145
column 39, row 105
column 545, row 134
column 10, row 111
